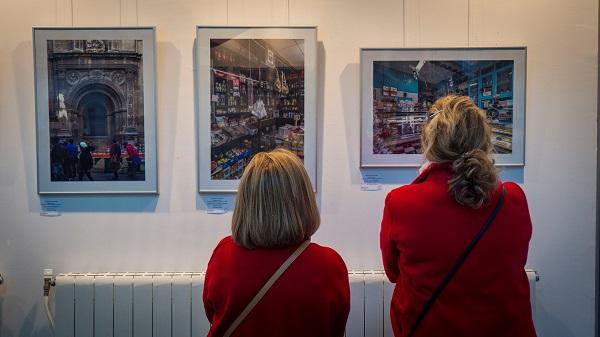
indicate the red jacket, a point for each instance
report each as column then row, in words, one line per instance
column 312, row 298
column 423, row 233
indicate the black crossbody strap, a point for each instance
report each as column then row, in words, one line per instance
column 458, row 263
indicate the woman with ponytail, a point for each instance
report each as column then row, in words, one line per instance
column 455, row 241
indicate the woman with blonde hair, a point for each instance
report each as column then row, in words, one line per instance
column 267, row 279
column 455, row 241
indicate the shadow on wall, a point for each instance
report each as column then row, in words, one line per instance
column 352, row 109
column 544, row 319
column 210, row 202
column 11, row 309
column 101, row 203
column 22, row 61
column 167, row 116
column 321, row 67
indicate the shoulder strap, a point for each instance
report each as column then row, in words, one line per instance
column 265, row 288
column 458, row 263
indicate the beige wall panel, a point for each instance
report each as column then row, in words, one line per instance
column 96, row 13
column 129, row 12
column 258, row 12
column 64, row 12
column 434, row 23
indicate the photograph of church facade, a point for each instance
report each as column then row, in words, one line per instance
column 96, row 110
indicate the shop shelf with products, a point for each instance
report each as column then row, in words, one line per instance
column 496, row 97
column 241, row 78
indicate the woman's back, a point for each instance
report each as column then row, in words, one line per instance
column 310, row 299
column 424, row 231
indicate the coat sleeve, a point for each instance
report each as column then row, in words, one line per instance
column 339, row 326
column 206, row 296
column 389, row 252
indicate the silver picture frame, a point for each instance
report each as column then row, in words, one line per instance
column 409, row 69
column 113, row 70
column 246, row 51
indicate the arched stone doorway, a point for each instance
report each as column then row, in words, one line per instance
column 100, row 111
column 95, row 109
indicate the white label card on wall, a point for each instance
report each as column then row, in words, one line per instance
column 217, row 205
column 370, row 187
column 50, row 207
column 371, row 182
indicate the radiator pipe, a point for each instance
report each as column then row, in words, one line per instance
column 49, row 281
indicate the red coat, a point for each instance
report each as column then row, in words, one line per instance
column 423, row 233
column 312, row 298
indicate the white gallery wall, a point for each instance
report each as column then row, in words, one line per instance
column 172, row 232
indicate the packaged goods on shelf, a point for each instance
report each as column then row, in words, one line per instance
column 284, row 131
column 234, row 158
column 289, row 131
column 236, row 131
column 218, row 138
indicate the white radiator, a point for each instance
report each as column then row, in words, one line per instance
column 130, row 305
column 170, row 304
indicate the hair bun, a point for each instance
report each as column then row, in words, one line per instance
column 460, row 134
column 474, row 178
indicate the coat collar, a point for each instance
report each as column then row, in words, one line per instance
column 445, row 167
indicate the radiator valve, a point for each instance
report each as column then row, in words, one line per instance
column 49, row 281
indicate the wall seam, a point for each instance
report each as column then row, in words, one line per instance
column 404, row 23
column 137, row 20
column 468, row 23
column 597, row 328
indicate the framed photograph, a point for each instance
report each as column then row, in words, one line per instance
column 256, row 90
column 95, row 110
column 400, row 85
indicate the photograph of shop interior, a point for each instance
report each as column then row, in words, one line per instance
column 403, row 92
column 257, row 101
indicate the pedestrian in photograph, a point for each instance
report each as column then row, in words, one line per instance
column 58, row 159
column 85, row 161
column 115, row 159
column 133, row 159
column 71, row 162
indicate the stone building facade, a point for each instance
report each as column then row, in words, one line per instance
column 96, row 91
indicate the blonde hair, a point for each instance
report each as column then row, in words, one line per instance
column 458, row 132
column 275, row 204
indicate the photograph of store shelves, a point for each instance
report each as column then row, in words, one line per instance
column 402, row 98
column 257, row 92
column 257, row 99
column 404, row 90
